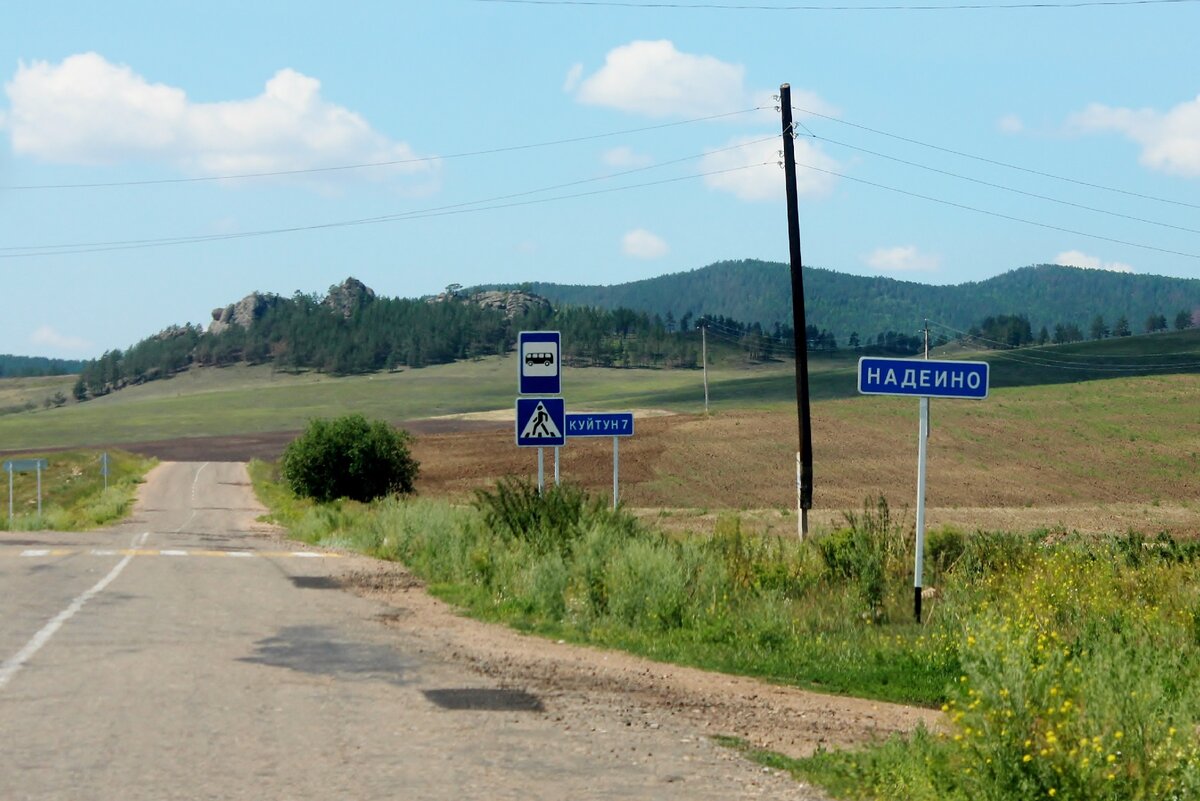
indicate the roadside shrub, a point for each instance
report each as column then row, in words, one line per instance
column 988, row 552
column 1051, row 704
column 943, row 547
column 872, row 545
column 549, row 521
column 758, row 564
column 547, row 582
column 647, row 586
column 349, row 457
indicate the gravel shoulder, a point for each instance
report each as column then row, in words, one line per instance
column 644, row 693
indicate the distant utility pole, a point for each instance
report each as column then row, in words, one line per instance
column 704, row 359
column 804, row 460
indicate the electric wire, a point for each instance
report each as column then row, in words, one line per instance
column 391, row 163
column 1014, row 190
column 416, row 215
column 997, row 162
column 1043, row 359
column 1000, row 215
column 385, row 218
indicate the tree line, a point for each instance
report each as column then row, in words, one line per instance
column 35, row 366
column 1014, row 331
column 304, row 332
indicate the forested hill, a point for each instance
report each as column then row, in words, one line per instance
column 23, row 366
column 759, row 291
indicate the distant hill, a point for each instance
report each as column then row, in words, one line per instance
column 28, row 366
column 759, row 291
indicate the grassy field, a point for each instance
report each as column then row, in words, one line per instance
column 27, row 394
column 74, row 496
column 245, row 400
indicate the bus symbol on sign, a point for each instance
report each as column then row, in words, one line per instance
column 539, row 355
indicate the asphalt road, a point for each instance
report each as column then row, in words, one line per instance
column 183, row 656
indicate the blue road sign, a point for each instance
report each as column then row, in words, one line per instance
column 922, row 378
column 597, row 424
column 541, row 422
column 25, row 465
column 538, row 363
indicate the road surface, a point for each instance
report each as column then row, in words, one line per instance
column 183, row 655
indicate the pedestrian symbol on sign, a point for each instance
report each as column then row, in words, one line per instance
column 541, row 422
column 541, row 425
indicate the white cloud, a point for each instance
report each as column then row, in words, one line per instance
column 1170, row 141
column 1075, row 258
column 46, row 336
column 655, row 79
column 902, row 258
column 641, row 244
column 625, row 158
column 1010, row 124
column 766, row 182
column 87, row 110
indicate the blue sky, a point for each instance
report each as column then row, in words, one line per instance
column 151, row 92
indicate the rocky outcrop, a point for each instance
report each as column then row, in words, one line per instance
column 242, row 313
column 348, row 297
column 513, row 303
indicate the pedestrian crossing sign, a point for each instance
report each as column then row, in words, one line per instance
column 541, row 422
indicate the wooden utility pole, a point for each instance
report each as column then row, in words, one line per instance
column 804, row 461
column 704, row 359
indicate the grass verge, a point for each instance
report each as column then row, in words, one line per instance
column 1068, row 667
column 74, row 496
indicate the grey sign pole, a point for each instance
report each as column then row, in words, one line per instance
column 10, row 494
column 39, row 488
column 541, row 470
column 922, row 452
column 616, row 469
column 556, row 466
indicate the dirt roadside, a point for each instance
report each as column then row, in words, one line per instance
column 583, row 680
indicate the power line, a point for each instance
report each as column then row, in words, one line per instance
column 391, row 163
column 894, row 7
column 1094, row 368
column 415, row 215
column 384, row 218
column 981, row 182
column 999, row 215
column 1043, row 358
column 998, row 163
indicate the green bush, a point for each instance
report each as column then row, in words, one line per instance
column 550, row 520
column 873, row 545
column 943, row 548
column 349, row 457
column 647, row 586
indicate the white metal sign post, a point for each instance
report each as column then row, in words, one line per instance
column 604, row 424
column 541, row 423
column 539, row 372
column 24, row 466
column 922, row 379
